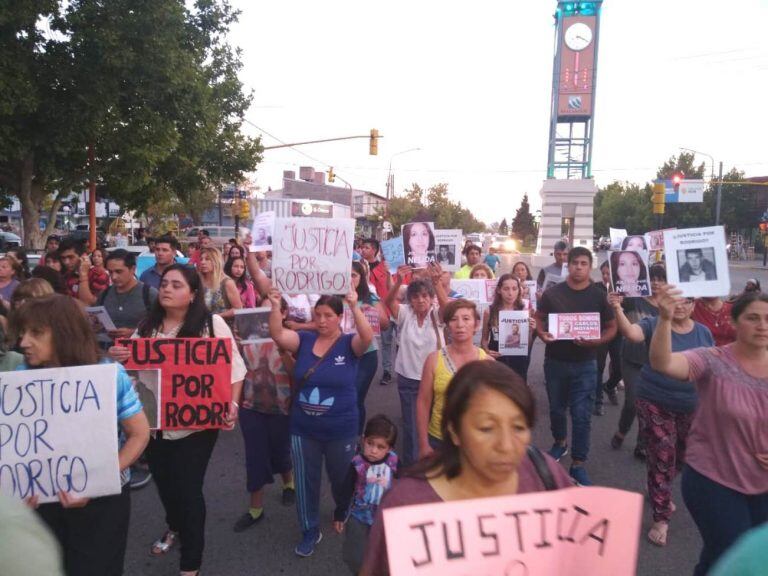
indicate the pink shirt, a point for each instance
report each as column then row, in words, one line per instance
column 731, row 423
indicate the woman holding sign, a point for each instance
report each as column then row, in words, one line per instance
column 178, row 459
column 461, row 322
column 507, row 296
column 324, row 417
column 369, row 362
column 725, row 480
column 93, row 533
column 486, row 426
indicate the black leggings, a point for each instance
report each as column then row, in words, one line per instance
column 178, row 468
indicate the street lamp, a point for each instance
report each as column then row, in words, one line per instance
column 719, row 181
column 390, row 179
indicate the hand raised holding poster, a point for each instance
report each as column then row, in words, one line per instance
column 568, row 532
column 60, row 432
column 261, row 232
column 312, row 255
column 392, row 250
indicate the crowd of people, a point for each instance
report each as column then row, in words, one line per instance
column 694, row 374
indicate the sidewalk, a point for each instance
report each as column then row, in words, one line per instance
column 748, row 264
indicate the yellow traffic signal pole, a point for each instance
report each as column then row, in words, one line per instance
column 658, row 200
column 373, row 146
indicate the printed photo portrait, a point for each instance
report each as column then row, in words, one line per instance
column 147, row 384
column 252, row 323
column 419, row 244
column 635, row 243
column 696, row 264
column 261, row 237
column 513, row 338
column 629, row 274
column 445, row 254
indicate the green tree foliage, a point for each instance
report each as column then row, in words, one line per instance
column 504, row 227
column 432, row 205
column 150, row 85
column 523, row 224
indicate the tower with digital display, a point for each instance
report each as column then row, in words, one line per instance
column 568, row 192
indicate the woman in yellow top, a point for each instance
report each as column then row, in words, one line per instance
column 462, row 321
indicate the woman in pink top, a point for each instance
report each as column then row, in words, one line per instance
column 487, row 420
column 725, row 482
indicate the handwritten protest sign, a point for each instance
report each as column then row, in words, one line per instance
column 697, row 261
column 196, row 378
column 629, row 273
column 575, row 325
column 312, row 255
column 392, row 250
column 58, row 432
column 262, row 231
column 448, row 251
column 513, row 332
column 568, row 532
column 474, row 290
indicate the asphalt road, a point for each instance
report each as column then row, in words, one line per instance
column 267, row 548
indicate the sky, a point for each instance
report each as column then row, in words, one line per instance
column 470, row 86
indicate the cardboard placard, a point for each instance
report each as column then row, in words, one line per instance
column 312, row 255
column 629, row 273
column 513, row 332
column 569, row 532
column 697, row 261
column 59, row 432
column 195, row 378
column 584, row 325
column 448, row 251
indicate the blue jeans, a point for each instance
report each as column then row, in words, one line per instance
column 721, row 515
column 408, row 389
column 366, row 370
column 571, row 384
column 307, row 455
column 387, row 337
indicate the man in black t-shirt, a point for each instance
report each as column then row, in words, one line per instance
column 570, row 366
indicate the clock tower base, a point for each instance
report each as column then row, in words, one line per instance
column 566, row 214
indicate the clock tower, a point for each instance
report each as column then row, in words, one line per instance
column 568, row 193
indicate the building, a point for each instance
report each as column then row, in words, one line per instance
column 367, row 207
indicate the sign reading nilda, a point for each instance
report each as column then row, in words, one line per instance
column 58, row 432
column 195, row 378
column 566, row 532
column 312, row 255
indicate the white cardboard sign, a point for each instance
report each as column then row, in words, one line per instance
column 59, row 432
column 312, row 255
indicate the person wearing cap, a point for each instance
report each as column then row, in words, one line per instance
column 752, row 285
column 52, row 243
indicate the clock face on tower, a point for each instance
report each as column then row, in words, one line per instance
column 578, row 36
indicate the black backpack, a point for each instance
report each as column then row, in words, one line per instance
column 540, row 463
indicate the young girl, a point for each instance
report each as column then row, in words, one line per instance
column 370, row 476
column 507, row 296
column 235, row 269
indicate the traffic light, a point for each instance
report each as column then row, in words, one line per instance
column 658, row 198
column 373, row 147
column 677, row 178
column 331, row 175
column 245, row 209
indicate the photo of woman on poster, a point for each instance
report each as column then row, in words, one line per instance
column 629, row 274
column 419, row 244
column 636, row 243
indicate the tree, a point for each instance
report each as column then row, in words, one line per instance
column 150, row 86
column 623, row 205
column 523, row 224
column 433, row 205
column 504, row 227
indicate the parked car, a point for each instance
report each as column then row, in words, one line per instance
column 9, row 240
column 504, row 245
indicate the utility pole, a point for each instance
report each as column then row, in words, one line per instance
column 719, row 195
column 91, row 203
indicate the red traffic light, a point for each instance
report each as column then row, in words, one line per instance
column 677, row 178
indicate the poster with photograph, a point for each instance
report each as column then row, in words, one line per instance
column 617, row 237
column 474, row 290
column 655, row 242
column 418, row 240
column 513, row 332
column 267, row 384
column 312, row 255
column 101, row 322
column 252, row 323
column 371, row 314
column 490, row 289
column 261, row 231
column 147, row 386
column 570, row 326
column 552, row 280
column 448, row 251
column 394, row 256
column 634, row 242
column 697, row 261
column 529, row 292
column 629, row 273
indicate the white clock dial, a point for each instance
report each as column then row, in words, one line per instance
column 578, row 36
